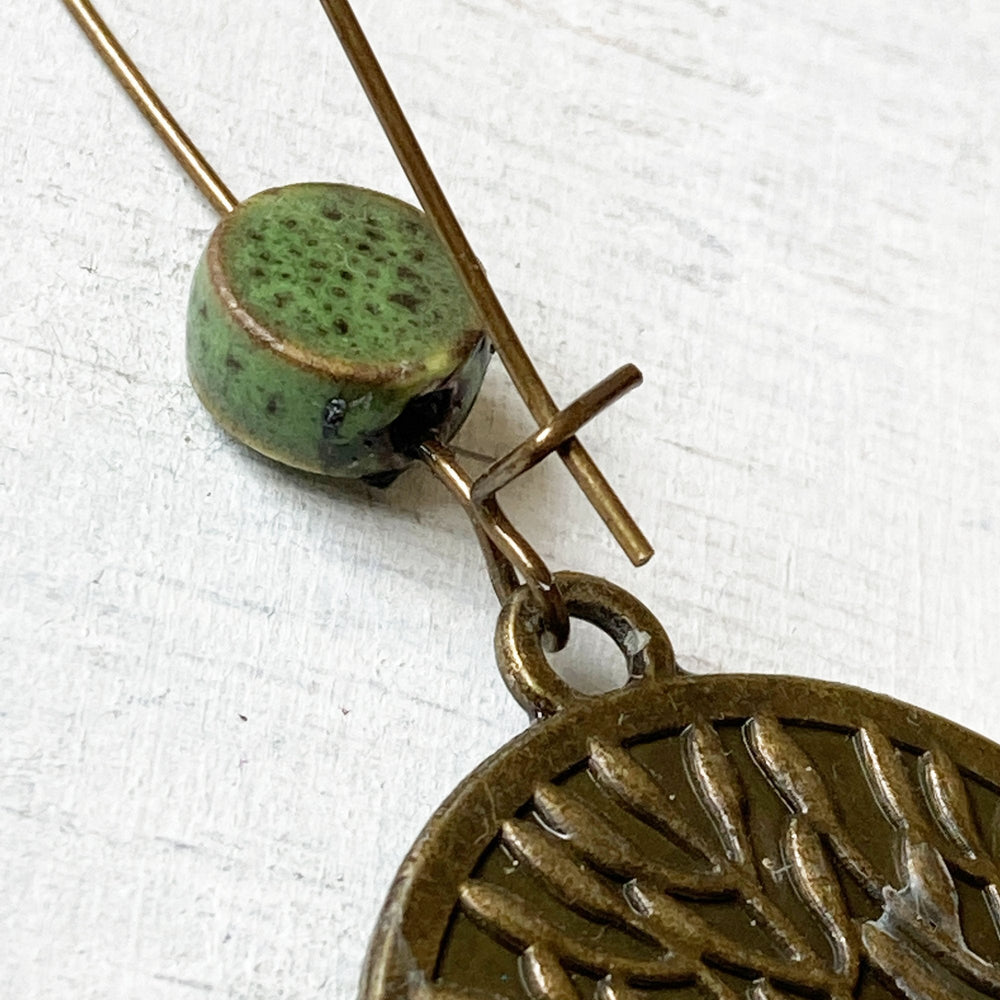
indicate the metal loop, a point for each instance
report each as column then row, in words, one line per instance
column 634, row 628
column 509, row 557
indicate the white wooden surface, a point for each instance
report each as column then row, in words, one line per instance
column 230, row 696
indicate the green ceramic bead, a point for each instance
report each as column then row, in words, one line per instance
column 327, row 329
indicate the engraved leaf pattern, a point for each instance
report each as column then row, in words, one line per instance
column 544, row 976
column 949, row 802
column 798, row 781
column 609, row 849
column 818, row 887
column 886, row 776
column 656, row 881
column 722, row 793
column 617, row 771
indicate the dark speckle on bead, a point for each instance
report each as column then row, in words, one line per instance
column 406, row 300
column 272, row 405
column 333, row 416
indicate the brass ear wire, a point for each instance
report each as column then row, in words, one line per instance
column 174, row 137
column 522, row 372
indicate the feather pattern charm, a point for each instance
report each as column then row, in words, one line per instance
column 733, row 838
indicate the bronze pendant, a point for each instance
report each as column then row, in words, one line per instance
column 730, row 837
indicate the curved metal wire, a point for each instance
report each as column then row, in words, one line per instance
column 146, row 100
column 519, row 366
column 509, row 557
column 560, row 429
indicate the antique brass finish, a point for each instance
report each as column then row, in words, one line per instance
column 727, row 837
column 525, row 668
column 184, row 150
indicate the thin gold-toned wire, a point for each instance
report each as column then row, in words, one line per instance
column 560, row 429
column 184, row 150
column 509, row 558
column 506, row 550
column 522, row 372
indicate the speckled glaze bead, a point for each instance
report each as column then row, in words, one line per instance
column 328, row 330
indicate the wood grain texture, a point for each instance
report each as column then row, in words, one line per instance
column 788, row 218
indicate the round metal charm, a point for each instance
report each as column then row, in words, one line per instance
column 730, row 837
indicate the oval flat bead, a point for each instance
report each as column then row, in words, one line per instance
column 327, row 329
